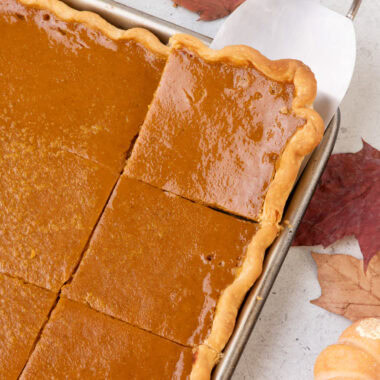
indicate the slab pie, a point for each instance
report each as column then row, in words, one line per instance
column 149, row 247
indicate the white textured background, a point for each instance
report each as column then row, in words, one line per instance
column 291, row 331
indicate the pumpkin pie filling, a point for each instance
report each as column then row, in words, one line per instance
column 73, row 86
column 24, row 309
column 163, row 262
column 50, row 201
column 214, row 132
column 80, row 343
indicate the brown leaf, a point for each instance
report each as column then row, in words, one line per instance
column 210, row 9
column 346, row 289
column 346, row 202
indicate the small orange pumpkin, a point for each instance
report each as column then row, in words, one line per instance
column 356, row 356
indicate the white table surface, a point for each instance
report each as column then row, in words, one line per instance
column 291, row 331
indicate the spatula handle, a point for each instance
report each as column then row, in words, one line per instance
column 354, row 9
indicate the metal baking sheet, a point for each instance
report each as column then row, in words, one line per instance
column 126, row 17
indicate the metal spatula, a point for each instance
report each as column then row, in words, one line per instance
column 299, row 29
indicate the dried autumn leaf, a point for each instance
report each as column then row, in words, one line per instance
column 210, row 9
column 346, row 289
column 346, row 202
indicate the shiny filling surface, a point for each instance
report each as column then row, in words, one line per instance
column 214, row 132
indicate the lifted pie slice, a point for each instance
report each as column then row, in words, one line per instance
column 74, row 80
column 80, row 343
column 228, row 128
column 23, row 310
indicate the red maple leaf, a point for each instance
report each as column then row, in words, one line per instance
column 210, row 9
column 346, row 202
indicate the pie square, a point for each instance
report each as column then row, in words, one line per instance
column 23, row 311
column 214, row 132
column 80, row 343
column 71, row 84
column 160, row 262
column 50, row 201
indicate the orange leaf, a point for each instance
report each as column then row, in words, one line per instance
column 346, row 289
